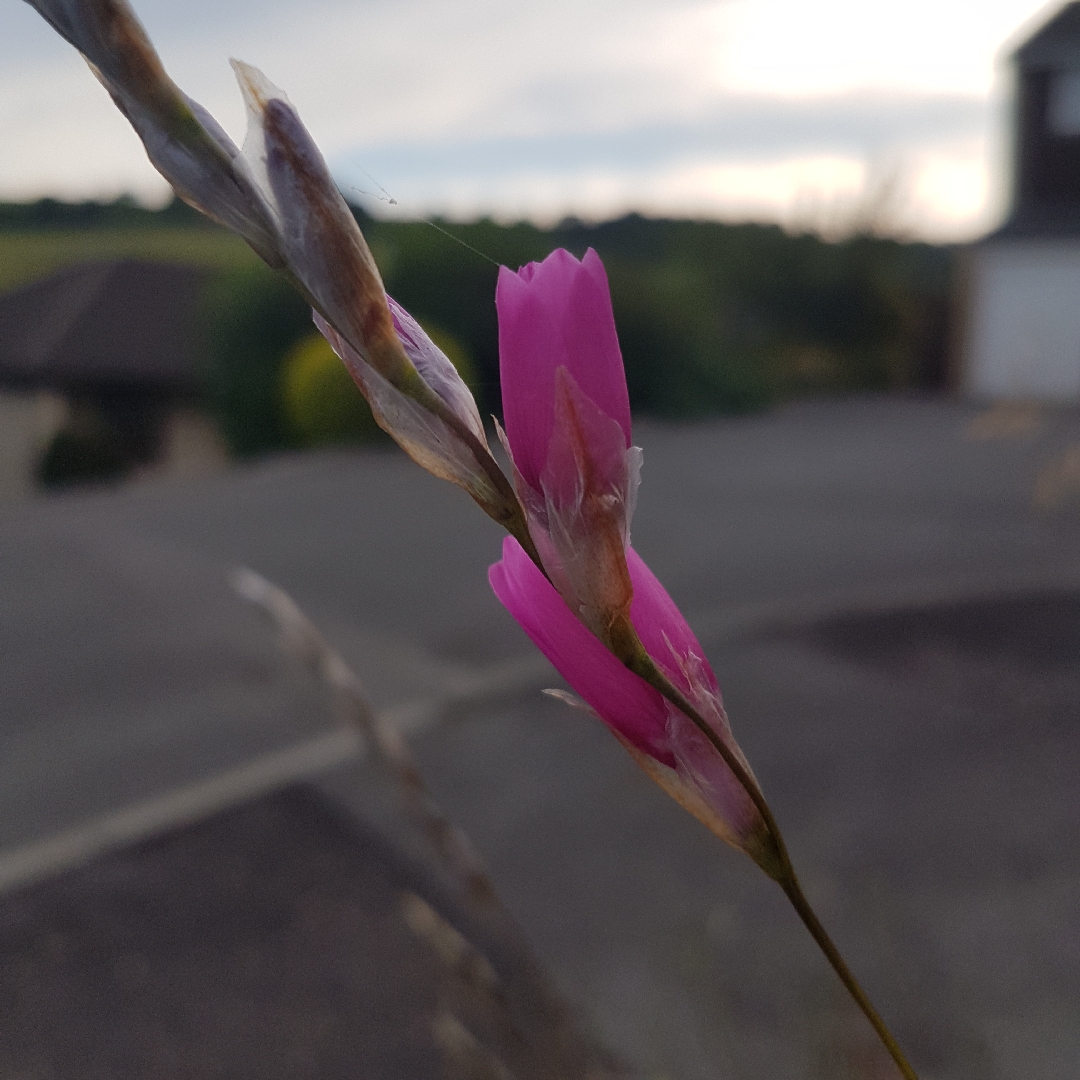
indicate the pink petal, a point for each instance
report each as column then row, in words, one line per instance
column 662, row 628
column 621, row 699
column 556, row 314
column 700, row 766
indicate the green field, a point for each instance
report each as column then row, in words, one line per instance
column 30, row 254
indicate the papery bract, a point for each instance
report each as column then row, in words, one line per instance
column 422, row 434
column 316, row 232
column 183, row 141
column 414, row 391
column 436, row 369
column 278, row 194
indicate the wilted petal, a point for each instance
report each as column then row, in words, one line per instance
column 623, row 701
column 436, row 369
column 556, row 314
column 425, row 437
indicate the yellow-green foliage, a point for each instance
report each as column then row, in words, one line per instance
column 323, row 404
column 25, row 256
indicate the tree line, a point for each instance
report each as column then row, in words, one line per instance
column 712, row 317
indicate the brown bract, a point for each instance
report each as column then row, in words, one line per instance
column 135, row 63
column 586, row 481
column 351, row 284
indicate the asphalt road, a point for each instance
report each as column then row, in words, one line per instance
column 928, row 790
column 807, row 500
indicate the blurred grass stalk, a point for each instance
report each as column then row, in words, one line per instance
column 277, row 193
column 500, row 1018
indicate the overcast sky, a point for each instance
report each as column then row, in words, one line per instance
column 802, row 112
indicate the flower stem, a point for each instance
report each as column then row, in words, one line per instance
column 793, row 891
column 775, row 862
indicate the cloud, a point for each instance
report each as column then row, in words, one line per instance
column 737, row 128
column 515, row 108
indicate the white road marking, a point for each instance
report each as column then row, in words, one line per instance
column 308, row 760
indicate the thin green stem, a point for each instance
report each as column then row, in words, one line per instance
column 775, row 862
column 793, row 891
column 772, row 856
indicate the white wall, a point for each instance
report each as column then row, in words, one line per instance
column 1022, row 338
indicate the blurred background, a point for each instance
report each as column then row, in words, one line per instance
column 785, row 199
column 843, row 242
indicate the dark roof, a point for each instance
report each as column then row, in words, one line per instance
column 1045, row 201
column 124, row 322
column 1055, row 45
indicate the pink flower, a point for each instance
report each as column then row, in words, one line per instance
column 567, row 418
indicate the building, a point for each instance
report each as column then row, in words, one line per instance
column 1022, row 332
column 100, row 374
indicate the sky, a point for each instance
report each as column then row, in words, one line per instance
column 814, row 114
